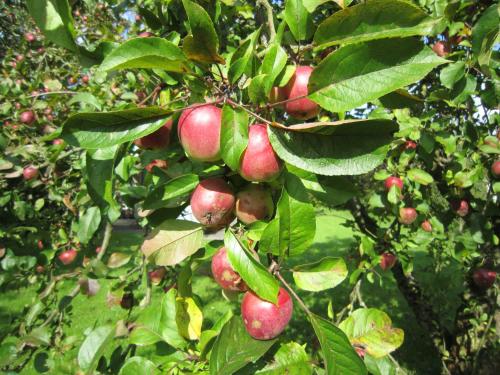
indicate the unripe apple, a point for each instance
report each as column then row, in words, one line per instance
column 391, row 181
column 68, row 256
column 157, row 275
column 30, row 172
column 29, row 37
column 484, row 278
column 303, row 108
column 254, row 203
column 426, row 226
column 387, row 261
column 259, row 162
column 27, row 117
column 441, row 48
column 158, row 139
column 495, row 168
column 162, row 164
column 199, row 132
column 461, row 207
column 224, row 274
column 265, row 320
column 407, row 215
column 213, row 202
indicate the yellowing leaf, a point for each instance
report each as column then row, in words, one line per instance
column 188, row 317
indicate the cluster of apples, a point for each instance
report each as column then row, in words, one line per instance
column 482, row 277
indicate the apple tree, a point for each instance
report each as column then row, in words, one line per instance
column 241, row 124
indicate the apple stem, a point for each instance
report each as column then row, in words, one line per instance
column 299, row 300
column 105, row 241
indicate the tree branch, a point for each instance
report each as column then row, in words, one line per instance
column 270, row 17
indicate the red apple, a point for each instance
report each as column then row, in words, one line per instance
column 98, row 249
column 162, row 164
column 145, row 34
column 303, row 108
column 29, row 37
column 387, row 261
column 27, row 117
column 158, row 139
column 68, row 256
column 157, row 275
column 127, row 301
column 85, row 78
column 39, row 268
column 19, row 58
column 407, row 215
column 259, row 161
column 39, row 244
column 213, row 202
column 265, row 320
column 30, row 172
column 495, row 168
column 442, row 49
column 391, row 181
column 410, row 145
column 484, row 278
column 461, row 207
column 199, row 132
column 254, row 203
column 224, row 273
column 426, row 226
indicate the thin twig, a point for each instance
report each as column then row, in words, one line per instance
column 56, row 311
column 286, row 101
column 270, row 18
column 249, row 111
column 54, row 93
column 299, row 300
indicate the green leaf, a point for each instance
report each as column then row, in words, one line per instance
column 420, row 176
column 273, row 64
column 359, row 73
column 99, row 169
column 173, row 241
column 234, row 135
column 106, row 129
column 380, row 366
column 138, row 366
column 348, row 147
column 188, row 317
column 86, row 98
column 202, row 44
column 93, row 347
column 156, row 323
column 452, row 74
column 234, row 348
column 54, row 18
column 338, row 353
column 297, row 218
column 243, row 59
column 146, row 53
column 485, row 35
column 311, row 5
column 298, row 19
column 88, row 224
column 374, row 19
column 372, row 329
column 290, row 359
column 174, row 193
column 324, row 274
column 255, row 275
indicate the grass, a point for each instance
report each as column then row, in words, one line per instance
column 333, row 238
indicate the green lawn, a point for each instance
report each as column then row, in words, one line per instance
column 332, row 239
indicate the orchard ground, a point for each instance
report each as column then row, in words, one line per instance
column 333, row 238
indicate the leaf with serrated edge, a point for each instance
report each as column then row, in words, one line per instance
column 356, row 74
column 173, row 241
column 255, row 275
column 324, row 274
column 372, row 329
